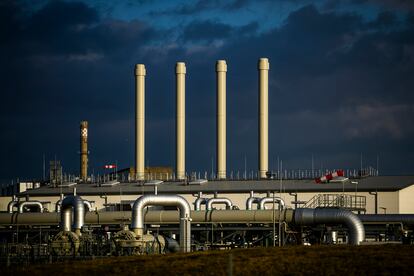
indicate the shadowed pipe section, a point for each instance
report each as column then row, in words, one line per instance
column 307, row 216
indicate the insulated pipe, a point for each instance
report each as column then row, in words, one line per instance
column 218, row 200
column 263, row 67
column 76, row 203
column 153, row 217
column 11, row 205
column 30, row 203
column 221, row 69
column 388, row 218
column 307, row 216
column 265, row 200
column 84, row 151
column 140, row 73
column 180, row 71
column 137, row 220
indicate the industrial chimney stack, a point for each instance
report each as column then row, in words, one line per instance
column 263, row 67
column 221, row 70
column 180, row 71
column 140, row 73
column 84, row 151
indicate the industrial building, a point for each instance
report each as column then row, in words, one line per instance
column 143, row 213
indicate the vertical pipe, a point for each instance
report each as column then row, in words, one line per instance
column 180, row 71
column 84, row 151
column 140, row 73
column 221, row 69
column 263, row 67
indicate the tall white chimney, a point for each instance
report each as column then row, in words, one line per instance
column 140, row 73
column 180, row 71
column 263, row 67
column 221, row 70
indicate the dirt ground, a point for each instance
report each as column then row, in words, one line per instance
column 298, row 260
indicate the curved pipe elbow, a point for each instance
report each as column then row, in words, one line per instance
column 137, row 220
column 219, row 200
column 30, row 204
column 76, row 203
column 198, row 202
column 11, row 205
column 306, row 216
column 266, row 200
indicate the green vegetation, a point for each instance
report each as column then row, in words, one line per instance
column 298, row 260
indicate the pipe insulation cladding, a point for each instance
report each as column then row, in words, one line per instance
column 180, row 71
column 263, row 67
column 72, row 206
column 84, row 151
column 221, row 70
column 356, row 230
column 140, row 74
column 137, row 219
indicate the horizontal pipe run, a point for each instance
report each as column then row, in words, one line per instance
column 152, row 217
column 407, row 219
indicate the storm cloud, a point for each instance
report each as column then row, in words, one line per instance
column 340, row 85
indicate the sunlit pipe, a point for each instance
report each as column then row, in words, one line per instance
column 218, row 200
column 180, row 71
column 137, row 220
column 30, row 204
column 221, row 69
column 263, row 67
column 72, row 204
column 140, row 73
column 266, row 200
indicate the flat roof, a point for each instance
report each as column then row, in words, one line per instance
column 368, row 184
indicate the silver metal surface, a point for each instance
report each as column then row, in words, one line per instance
column 198, row 202
column 137, row 220
column 306, row 216
column 11, row 205
column 265, row 200
column 219, row 200
column 30, row 203
column 88, row 205
column 76, row 205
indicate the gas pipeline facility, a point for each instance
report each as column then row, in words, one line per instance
column 143, row 212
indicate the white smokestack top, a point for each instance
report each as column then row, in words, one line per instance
column 140, row 73
column 263, row 67
column 180, row 71
column 221, row 69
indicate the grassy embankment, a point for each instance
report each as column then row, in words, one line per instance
column 315, row 260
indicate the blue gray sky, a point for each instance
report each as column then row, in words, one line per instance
column 341, row 81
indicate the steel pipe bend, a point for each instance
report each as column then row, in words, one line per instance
column 219, row 200
column 198, row 202
column 11, row 205
column 137, row 221
column 250, row 201
column 265, row 200
column 30, row 203
column 307, row 216
column 77, row 204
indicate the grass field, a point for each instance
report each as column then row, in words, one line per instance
column 299, row 260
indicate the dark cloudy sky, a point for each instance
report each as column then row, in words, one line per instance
column 341, row 81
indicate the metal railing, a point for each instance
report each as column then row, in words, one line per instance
column 350, row 202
